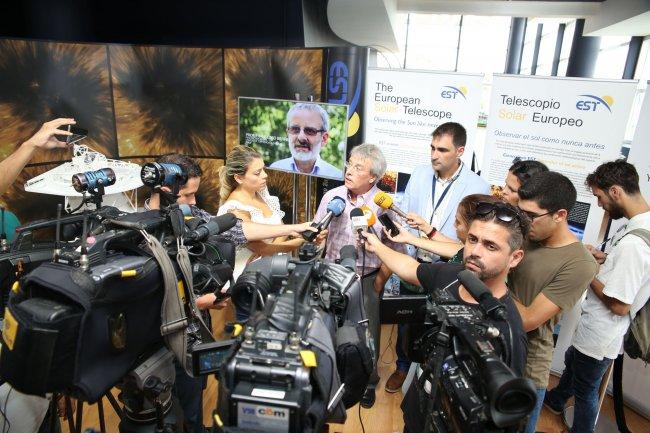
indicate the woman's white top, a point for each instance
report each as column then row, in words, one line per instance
column 244, row 254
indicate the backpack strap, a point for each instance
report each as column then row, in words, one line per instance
column 644, row 234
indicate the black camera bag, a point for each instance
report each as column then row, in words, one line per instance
column 81, row 332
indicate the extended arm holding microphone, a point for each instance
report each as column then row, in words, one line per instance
column 335, row 208
column 280, row 243
column 405, row 266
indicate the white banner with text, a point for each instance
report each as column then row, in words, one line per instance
column 570, row 124
column 402, row 109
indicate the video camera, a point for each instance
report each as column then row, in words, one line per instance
column 304, row 355
column 119, row 288
column 464, row 383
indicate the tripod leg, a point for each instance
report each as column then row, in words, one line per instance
column 80, row 410
column 100, row 412
column 69, row 414
column 113, row 402
column 53, row 413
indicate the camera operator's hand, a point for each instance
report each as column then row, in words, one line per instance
column 207, row 301
column 404, row 236
column 599, row 256
column 415, row 221
column 45, row 137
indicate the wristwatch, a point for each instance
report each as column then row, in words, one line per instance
column 432, row 232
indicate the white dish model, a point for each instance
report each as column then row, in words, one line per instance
column 58, row 181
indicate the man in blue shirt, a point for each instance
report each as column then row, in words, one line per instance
column 307, row 130
column 431, row 199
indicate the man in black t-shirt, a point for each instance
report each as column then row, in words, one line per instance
column 493, row 246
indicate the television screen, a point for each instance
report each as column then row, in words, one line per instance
column 296, row 137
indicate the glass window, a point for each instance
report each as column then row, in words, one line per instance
column 567, row 41
column 432, row 42
column 612, row 56
column 529, row 46
column 643, row 75
column 483, row 44
column 392, row 59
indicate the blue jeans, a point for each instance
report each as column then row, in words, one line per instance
column 534, row 415
column 581, row 379
column 189, row 391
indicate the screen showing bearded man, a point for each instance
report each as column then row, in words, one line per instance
column 315, row 140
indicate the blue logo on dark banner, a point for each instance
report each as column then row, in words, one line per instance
column 338, row 83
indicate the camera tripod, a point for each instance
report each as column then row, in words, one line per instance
column 146, row 394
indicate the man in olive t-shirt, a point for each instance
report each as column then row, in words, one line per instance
column 555, row 272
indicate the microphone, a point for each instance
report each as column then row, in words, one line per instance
column 370, row 218
column 359, row 220
column 479, row 291
column 385, row 201
column 215, row 226
column 348, row 257
column 335, row 208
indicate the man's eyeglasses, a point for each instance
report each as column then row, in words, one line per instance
column 307, row 129
column 502, row 212
column 354, row 168
column 531, row 216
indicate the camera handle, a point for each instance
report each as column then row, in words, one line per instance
column 431, row 374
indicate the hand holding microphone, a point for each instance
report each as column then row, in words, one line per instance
column 334, row 209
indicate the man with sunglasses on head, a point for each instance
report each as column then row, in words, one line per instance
column 431, row 200
column 494, row 245
column 307, row 130
column 555, row 272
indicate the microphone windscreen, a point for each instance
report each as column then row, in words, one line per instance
column 383, row 200
column 473, row 284
column 369, row 214
column 356, row 212
column 348, row 257
column 336, row 206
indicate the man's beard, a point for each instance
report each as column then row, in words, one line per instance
column 484, row 273
column 312, row 155
column 615, row 211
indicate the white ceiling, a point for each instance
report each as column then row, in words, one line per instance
column 371, row 22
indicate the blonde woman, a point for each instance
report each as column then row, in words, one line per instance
column 244, row 193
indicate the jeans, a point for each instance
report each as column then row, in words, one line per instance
column 402, row 363
column 189, row 391
column 534, row 415
column 581, row 379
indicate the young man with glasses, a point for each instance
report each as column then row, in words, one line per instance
column 307, row 130
column 619, row 291
column 555, row 272
column 494, row 245
column 364, row 169
column 431, row 200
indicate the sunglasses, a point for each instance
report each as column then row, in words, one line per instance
column 307, row 129
column 502, row 212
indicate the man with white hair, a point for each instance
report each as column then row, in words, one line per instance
column 363, row 170
column 307, row 129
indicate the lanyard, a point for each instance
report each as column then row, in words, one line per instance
column 444, row 193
